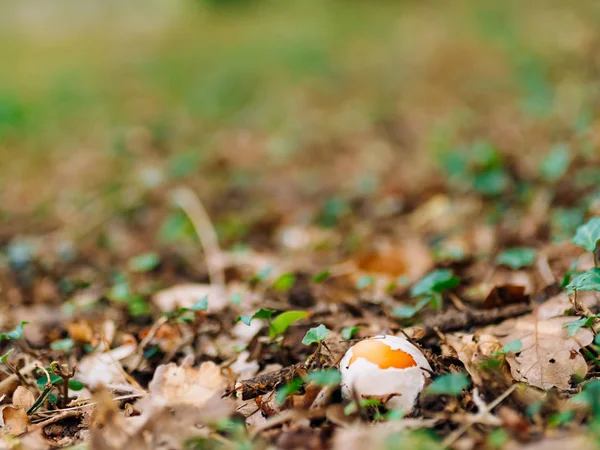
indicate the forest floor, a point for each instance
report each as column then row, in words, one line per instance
column 204, row 209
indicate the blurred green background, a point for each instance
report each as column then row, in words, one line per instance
column 267, row 106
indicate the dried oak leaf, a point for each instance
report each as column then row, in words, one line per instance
column 548, row 356
column 15, row 420
column 23, row 398
column 185, row 295
column 173, row 384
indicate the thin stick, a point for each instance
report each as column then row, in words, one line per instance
column 190, row 203
column 453, row 437
column 54, row 419
column 140, row 349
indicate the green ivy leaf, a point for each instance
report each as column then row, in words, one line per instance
column 245, row 319
column 62, row 344
column 516, row 258
column 556, row 163
column 591, row 396
column 16, row 333
column 285, row 282
column 54, row 379
column 200, row 305
column 4, row 358
column 260, row 314
column 321, row 276
column 435, row 283
column 316, row 334
column 408, row 311
column 281, row 323
column 288, row 389
column 236, row 299
column 514, row 346
column 586, row 281
column 349, row 332
column 75, row 385
column 450, row 383
column 588, row 235
column 364, row 282
column 331, row 377
column 575, row 326
column 144, row 262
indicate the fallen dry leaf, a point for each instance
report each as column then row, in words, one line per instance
column 549, row 356
column 23, row 398
column 15, row 420
column 185, row 295
column 173, row 384
column 104, row 369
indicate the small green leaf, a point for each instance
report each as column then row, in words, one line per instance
column 200, row 305
column 54, row 379
column 435, row 282
column 516, row 258
column 285, row 282
column 288, row 389
column 365, row 281
column 575, row 326
column 4, row 358
column 586, row 281
column 588, row 235
column 491, row 182
column 16, row 333
column 497, row 438
column 591, row 396
column 596, row 341
column 395, row 414
column 245, row 319
column 62, row 344
column 331, row 377
column 408, row 311
column 514, row 346
column 281, row 323
column 263, row 274
column 260, row 314
column 349, row 332
column 450, row 383
column 144, row 262
column 322, row 276
column 556, row 163
column 316, row 334
column 263, row 314
column 75, row 385
column 236, row 299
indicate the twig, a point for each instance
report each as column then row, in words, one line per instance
column 188, row 201
column 457, row 320
column 56, row 418
column 262, row 384
column 456, row 434
column 151, row 333
column 280, row 418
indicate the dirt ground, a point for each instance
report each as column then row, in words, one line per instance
column 205, row 204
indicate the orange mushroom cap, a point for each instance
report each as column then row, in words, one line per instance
column 375, row 351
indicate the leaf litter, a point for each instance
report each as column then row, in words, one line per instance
column 192, row 308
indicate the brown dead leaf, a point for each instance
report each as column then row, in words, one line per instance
column 80, row 331
column 471, row 350
column 184, row 384
column 549, row 356
column 505, row 295
column 185, row 295
column 23, row 398
column 361, row 437
column 104, row 369
column 15, row 420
